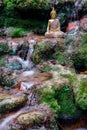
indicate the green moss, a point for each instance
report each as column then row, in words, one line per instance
column 44, row 50
column 48, row 97
column 80, row 58
column 62, row 57
column 9, row 104
column 84, row 38
column 65, row 99
column 81, row 94
column 21, row 23
column 60, row 100
column 16, row 32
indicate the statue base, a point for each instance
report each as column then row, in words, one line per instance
column 55, row 34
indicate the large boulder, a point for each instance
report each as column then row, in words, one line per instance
column 83, row 24
column 38, row 116
column 46, row 48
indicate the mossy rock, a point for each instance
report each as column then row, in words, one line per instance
column 4, row 48
column 33, row 118
column 22, row 50
column 67, row 103
column 47, row 96
column 6, row 79
column 9, row 103
column 44, row 50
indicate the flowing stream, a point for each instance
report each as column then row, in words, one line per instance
column 5, row 122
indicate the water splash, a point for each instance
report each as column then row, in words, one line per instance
column 25, row 86
column 69, row 49
column 26, row 64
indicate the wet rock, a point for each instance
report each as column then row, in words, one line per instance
column 14, row 65
column 83, row 24
column 36, row 78
column 4, row 48
column 73, row 27
column 9, row 102
column 35, row 117
column 22, row 49
column 6, row 77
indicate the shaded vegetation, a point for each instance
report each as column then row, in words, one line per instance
column 66, row 101
column 80, row 58
column 1, row 61
column 48, row 97
column 81, row 94
column 4, row 48
column 16, row 32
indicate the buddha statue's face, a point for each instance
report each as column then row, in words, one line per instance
column 53, row 16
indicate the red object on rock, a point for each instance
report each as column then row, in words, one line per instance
column 72, row 26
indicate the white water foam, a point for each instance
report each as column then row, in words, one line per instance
column 5, row 123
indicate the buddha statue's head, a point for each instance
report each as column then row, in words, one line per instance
column 53, row 13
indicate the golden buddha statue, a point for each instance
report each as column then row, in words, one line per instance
column 53, row 28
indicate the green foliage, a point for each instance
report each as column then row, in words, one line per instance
column 21, row 23
column 1, row 21
column 16, row 32
column 65, row 99
column 81, row 94
column 84, row 38
column 4, row 48
column 40, row 30
column 48, row 97
column 10, row 4
column 80, row 58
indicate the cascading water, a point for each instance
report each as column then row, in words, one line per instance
column 16, row 62
column 4, row 125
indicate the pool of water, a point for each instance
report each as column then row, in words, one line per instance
column 80, row 124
